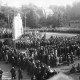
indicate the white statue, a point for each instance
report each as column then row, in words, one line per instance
column 17, row 27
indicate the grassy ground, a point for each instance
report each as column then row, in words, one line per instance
column 64, row 29
column 48, row 34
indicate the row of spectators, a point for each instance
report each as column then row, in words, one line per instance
column 5, row 35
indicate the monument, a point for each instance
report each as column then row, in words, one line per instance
column 17, row 30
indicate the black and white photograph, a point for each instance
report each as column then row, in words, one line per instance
column 39, row 39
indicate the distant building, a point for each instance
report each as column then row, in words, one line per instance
column 74, row 23
column 47, row 11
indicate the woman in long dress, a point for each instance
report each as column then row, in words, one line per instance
column 6, row 58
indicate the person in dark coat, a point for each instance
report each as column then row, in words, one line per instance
column 20, row 75
column 78, row 67
column 13, row 73
column 73, row 69
column 54, row 73
column 13, row 61
column 1, row 72
column 33, row 77
column 79, row 77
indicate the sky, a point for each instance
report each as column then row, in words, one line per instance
column 39, row 3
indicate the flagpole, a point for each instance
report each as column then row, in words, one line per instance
column 14, row 43
column 8, row 18
column 25, row 23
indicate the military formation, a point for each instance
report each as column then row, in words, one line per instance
column 40, row 56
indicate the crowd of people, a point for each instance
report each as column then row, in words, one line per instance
column 54, row 50
column 5, row 33
column 42, row 54
column 33, row 66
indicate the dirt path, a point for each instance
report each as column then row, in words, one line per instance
column 6, row 72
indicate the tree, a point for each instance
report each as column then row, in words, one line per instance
column 57, row 18
column 9, row 13
column 3, row 24
column 43, row 21
column 32, row 19
column 3, row 21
